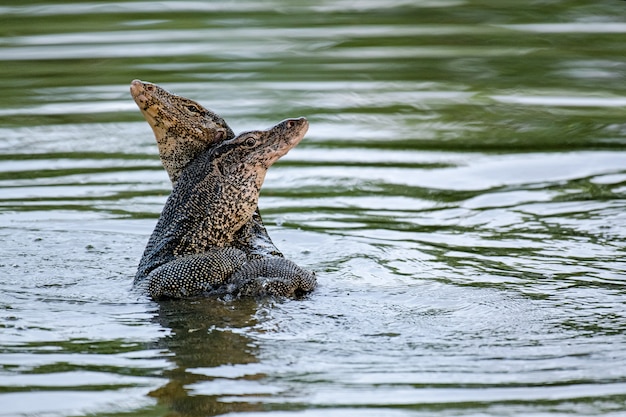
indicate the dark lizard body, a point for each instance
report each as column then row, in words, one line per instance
column 183, row 129
column 206, row 240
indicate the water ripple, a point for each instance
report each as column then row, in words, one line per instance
column 460, row 195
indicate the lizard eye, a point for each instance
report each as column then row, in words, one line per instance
column 250, row 141
column 193, row 108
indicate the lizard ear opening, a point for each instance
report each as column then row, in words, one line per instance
column 219, row 135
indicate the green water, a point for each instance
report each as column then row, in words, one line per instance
column 461, row 194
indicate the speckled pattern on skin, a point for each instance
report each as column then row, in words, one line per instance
column 180, row 277
column 215, row 196
column 183, row 129
column 267, row 277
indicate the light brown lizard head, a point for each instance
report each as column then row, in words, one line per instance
column 182, row 127
column 252, row 153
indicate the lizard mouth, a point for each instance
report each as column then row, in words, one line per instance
column 140, row 92
column 286, row 136
column 136, row 88
column 298, row 127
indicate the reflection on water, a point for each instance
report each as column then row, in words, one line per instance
column 207, row 335
column 460, row 193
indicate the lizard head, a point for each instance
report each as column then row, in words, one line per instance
column 253, row 152
column 182, row 127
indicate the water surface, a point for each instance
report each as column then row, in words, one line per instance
column 461, row 194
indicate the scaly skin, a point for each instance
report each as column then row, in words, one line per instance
column 183, row 129
column 261, row 277
column 193, row 249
